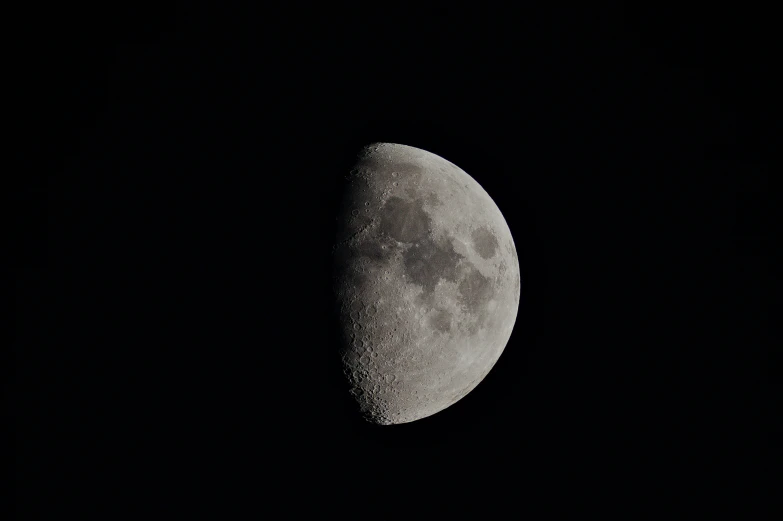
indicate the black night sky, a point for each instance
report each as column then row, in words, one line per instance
column 174, row 344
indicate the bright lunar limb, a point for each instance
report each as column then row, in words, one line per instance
column 426, row 281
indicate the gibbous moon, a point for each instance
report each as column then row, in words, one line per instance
column 426, row 281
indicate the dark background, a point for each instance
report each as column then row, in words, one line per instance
column 174, row 343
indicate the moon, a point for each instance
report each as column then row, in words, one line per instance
column 426, row 283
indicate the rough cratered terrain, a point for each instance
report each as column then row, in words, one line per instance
column 426, row 282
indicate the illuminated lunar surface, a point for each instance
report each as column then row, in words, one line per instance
column 426, row 281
